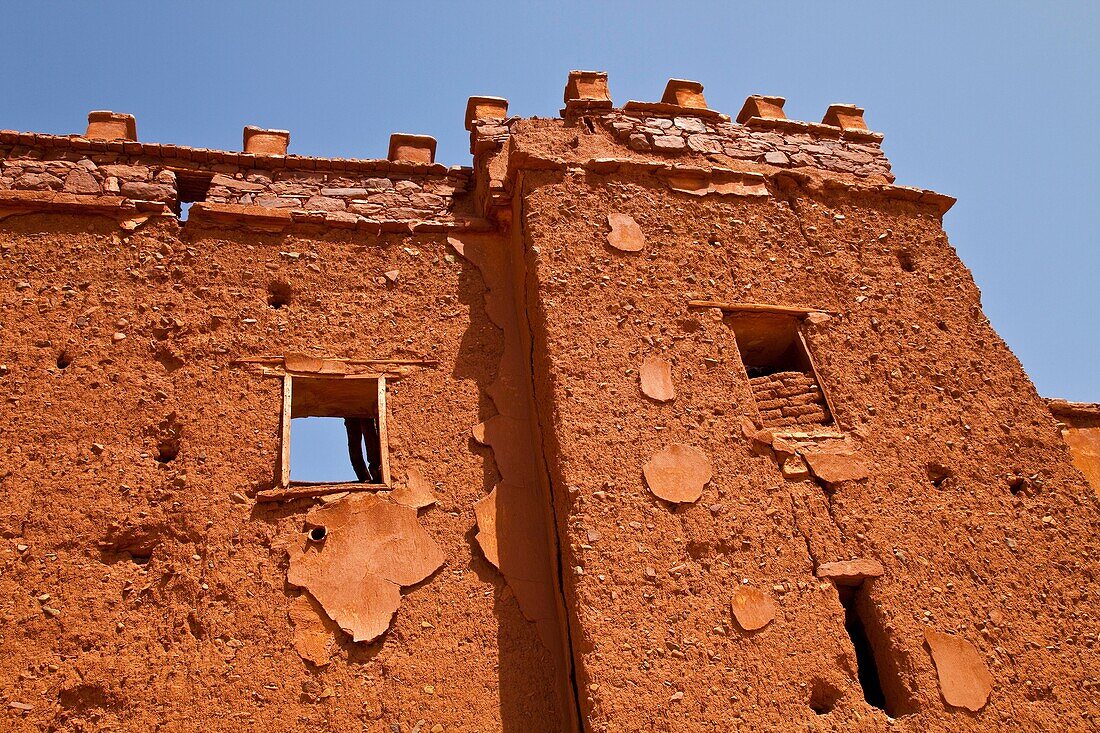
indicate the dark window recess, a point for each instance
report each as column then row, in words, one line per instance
column 336, row 433
column 877, row 669
column 780, row 371
column 190, row 187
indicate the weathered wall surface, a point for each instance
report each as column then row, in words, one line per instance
column 637, row 531
column 150, row 325
column 961, row 450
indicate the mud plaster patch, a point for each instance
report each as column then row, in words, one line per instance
column 625, row 234
column 678, row 473
column 964, row 679
column 512, row 535
column 416, row 493
column 656, row 378
column 313, row 637
column 372, row 547
column 752, row 608
column 834, row 468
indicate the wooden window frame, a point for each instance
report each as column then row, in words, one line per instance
column 321, row 487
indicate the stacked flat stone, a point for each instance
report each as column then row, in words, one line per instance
column 855, row 153
column 26, row 169
column 390, row 197
column 336, row 191
column 787, row 399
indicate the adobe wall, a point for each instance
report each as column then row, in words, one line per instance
column 982, row 526
column 153, row 325
column 598, row 518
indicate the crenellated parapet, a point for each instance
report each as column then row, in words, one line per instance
column 108, row 168
column 682, row 124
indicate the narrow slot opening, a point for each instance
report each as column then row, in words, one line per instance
column 879, row 664
column 866, row 665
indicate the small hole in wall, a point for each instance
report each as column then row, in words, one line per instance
column 589, row 124
column 64, row 359
column 938, row 474
column 823, row 697
column 318, row 534
column 278, row 294
column 168, row 434
column 905, row 259
column 167, row 450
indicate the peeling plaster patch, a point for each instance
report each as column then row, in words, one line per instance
column 964, row 679
column 835, row 468
column 625, row 234
column 752, row 608
column 513, row 527
column 313, row 639
column 510, row 440
column 416, row 493
column 656, row 376
column 372, row 548
column 678, row 473
column 512, row 535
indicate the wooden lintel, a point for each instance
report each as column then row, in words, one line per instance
column 353, row 362
column 786, row 310
column 307, row 491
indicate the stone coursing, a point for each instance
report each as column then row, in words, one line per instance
column 789, row 398
column 786, row 144
column 385, row 193
column 373, row 198
column 32, row 169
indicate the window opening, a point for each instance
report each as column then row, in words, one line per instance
column 190, row 187
column 334, row 431
column 780, row 369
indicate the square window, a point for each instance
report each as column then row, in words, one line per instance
column 337, row 427
column 781, row 372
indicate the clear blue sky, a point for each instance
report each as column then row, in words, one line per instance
column 995, row 103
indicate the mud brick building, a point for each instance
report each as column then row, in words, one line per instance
column 673, row 422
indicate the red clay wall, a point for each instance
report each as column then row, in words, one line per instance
column 612, row 554
column 199, row 637
column 919, row 382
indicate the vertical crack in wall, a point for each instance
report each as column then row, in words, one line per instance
column 525, row 306
column 814, row 562
column 552, row 494
column 515, row 436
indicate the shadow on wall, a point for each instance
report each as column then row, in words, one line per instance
column 526, row 669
